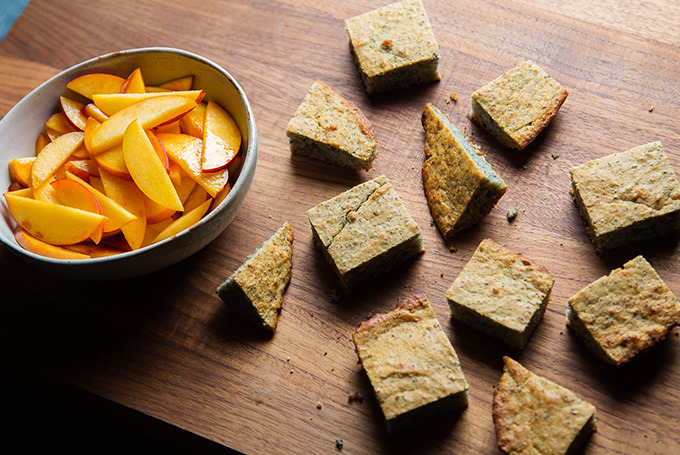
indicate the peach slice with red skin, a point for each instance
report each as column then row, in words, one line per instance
column 116, row 215
column 113, row 162
column 192, row 122
column 73, row 110
column 221, row 138
column 83, row 169
column 34, row 245
column 159, row 148
column 57, row 125
column 52, row 223
column 134, row 83
column 111, row 103
column 53, row 156
column 185, row 150
column 149, row 113
column 146, row 168
column 95, row 83
column 73, row 194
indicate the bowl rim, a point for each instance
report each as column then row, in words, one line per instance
column 248, row 163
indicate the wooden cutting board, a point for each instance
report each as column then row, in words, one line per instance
column 165, row 346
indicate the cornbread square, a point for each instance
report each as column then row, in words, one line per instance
column 256, row 288
column 365, row 231
column 628, row 196
column 621, row 315
column 518, row 105
column 501, row 293
column 533, row 415
column 394, row 46
column 460, row 186
column 328, row 127
column 411, row 364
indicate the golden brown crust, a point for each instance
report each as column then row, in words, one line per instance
column 533, row 415
column 624, row 314
column 410, row 362
column 516, row 106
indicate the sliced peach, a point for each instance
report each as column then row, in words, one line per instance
column 53, row 155
column 221, row 138
column 185, row 221
column 185, row 150
column 175, row 171
column 152, row 230
column 221, row 196
column 126, row 193
column 21, row 192
column 197, row 197
column 52, row 223
column 41, row 142
column 93, row 250
column 34, row 245
column 93, row 111
column 185, row 188
column 156, row 212
column 73, row 194
column 57, row 125
column 45, row 192
column 235, row 168
column 113, row 162
column 111, row 103
column 94, row 83
column 146, row 169
column 116, row 215
column 116, row 241
column 91, row 126
column 80, row 153
column 20, row 170
column 192, row 123
column 73, row 110
column 134, row 83
column 173, row 127
column 83, row 169
column 159, row 148
column 150, row 113
column 179, row 84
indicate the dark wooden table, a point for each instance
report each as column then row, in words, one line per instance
column 164, row 346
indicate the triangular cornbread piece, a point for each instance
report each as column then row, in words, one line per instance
column 460, row 186
column 256, row 288
column 328, row 127
column 536, row 416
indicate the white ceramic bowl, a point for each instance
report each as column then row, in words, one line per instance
column 22, row 124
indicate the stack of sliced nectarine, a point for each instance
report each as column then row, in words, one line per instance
column 122, row 165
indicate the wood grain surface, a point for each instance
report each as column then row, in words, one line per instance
column 166, row 346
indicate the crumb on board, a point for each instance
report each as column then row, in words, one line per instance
column 454, row 97
column 555, row 155
column 453, row 249
column 512, row 214
column 355, row 397
column 651, row 108
column 339, row 443
column 318, row 405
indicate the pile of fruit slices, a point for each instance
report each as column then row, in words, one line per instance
column 129, row 166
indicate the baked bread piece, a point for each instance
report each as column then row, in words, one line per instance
column 460, row 186
column 328, row 127
column 621, row 315
column 518, row 105
column 365, row 231
column 501, row 293
column 256, row 288
column 411, row 364
column 533, row 415
column 628, row 196
column 394, row 46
